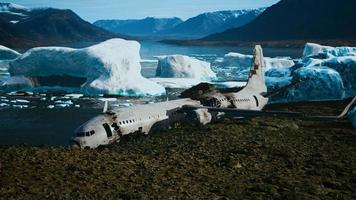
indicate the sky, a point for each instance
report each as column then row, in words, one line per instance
column 92, row 10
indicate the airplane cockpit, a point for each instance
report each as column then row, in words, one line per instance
column 93, row 133
column 85, row 134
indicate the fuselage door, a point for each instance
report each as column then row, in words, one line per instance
column 107, row 130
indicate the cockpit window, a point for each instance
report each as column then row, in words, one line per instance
column 83, row 134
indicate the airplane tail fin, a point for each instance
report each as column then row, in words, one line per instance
column 256, row 80
column 106, row 107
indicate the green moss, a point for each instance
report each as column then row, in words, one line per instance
column 260, row 158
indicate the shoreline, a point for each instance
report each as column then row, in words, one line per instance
column 294, row 44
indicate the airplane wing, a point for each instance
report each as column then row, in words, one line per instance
column 254, row 113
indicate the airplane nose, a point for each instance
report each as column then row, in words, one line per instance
column 74, row 144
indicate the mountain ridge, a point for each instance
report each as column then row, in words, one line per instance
column 195, row 27
column 148, row 26
column 321, row 20
column 47, row 26
column 214, row 22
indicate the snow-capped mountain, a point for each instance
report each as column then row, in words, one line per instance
column 195, row 27
column 297, row 20
column 149, row 26
column 22, row 27
column 14, row 8
column 213, row 22
column 12, row 12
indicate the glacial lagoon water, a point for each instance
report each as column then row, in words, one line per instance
column 50, row 119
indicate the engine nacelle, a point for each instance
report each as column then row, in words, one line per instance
column 203, row 116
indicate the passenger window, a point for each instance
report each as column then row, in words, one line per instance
column 87, row 133
column 92, row 132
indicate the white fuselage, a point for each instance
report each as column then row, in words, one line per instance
column 108, row 127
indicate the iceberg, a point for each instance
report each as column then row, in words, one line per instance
column 319, row 83
column 230, row 84
column 276, row 83
column 245, row 61
column 180, row 66
column 177, row 83
column 111, row 67
column 7, row 53
column 180, row 83
column 352, row 117
column 16, row 83
column 278, row 72
column 279, row 62
column 344, row 65
column 233, row 59
column 312, row 50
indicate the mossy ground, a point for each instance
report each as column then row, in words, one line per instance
column 259, row 158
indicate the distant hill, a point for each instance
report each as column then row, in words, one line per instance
column 149, row 26
column 26, row 28
column 212, row 22
column 298, row 20
column 195, row 27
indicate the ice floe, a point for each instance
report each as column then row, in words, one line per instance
column 74, row 96
column 4, row 105
column 20, row 106
column 22, row 101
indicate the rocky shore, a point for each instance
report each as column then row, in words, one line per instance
column 258, row 158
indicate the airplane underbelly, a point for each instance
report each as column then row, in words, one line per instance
column 245, row 106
